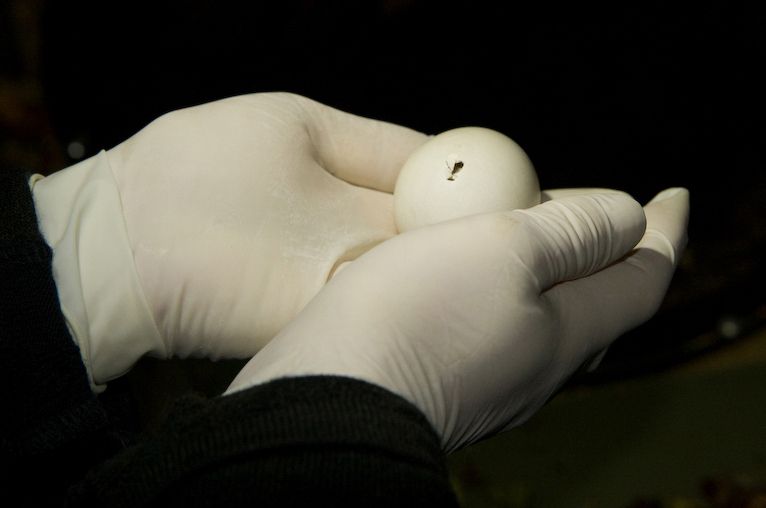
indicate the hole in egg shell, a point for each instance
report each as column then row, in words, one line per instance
column 454, row 164
column 454, row 169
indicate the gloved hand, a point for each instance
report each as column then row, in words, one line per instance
column 477, row 321
column 210, row 229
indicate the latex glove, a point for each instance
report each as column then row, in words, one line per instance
column 210, row 229
column 477, row 321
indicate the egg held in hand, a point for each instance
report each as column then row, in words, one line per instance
column 462, row 172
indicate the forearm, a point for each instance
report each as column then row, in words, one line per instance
column 309, row 439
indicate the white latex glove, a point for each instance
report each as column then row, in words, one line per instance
column 210, row 229
column 477, row 321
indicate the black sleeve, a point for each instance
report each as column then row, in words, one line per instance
column 53, row 428
column 319, row 440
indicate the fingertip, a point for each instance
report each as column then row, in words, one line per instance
column 677, row 194
column 667, row 217
column 623, row 209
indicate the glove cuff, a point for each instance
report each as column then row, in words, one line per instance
column 80, row 216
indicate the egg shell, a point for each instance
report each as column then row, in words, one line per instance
column 462, row 172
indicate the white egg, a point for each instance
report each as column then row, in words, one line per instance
column 462, row 172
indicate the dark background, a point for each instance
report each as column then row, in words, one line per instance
column 638, row 97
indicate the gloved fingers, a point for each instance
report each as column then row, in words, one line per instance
column 595, row 310
column 359, row 150
column 549, row 194
column 577, row 235
column 657, row 208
